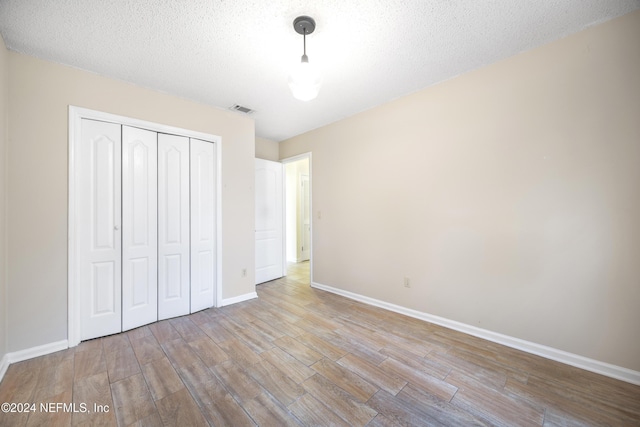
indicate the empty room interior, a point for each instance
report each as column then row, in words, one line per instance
column 320, row 213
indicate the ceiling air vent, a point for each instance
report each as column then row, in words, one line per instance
column 241, row 109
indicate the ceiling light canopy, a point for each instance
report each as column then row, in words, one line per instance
column 305, row 79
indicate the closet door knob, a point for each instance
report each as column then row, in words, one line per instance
column 116, row 228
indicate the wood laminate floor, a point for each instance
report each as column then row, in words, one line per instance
column 300, row 356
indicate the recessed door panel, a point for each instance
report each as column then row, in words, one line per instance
column 139, row 191
column 205, row 278
column 98, row 229
column 172, row 273
column 139, row 228
column 203, row 239
column 102, row 289
column 103, row 181
column 173, row 226
column 139, row 282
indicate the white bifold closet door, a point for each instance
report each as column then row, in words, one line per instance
column 139, row 227
column 146, row 227
column 98, row 226
column 173, row 226
column 203, row 242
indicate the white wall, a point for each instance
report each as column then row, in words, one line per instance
column 4, row 137
column 39, row 95
column 510, row 196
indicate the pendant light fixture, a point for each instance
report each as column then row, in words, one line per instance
column 304, row 80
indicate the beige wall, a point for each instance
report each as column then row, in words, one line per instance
column 4, row 86
column 267, row 149
column 39, row 95
column 510, row 196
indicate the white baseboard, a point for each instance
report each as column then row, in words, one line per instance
column 30, row 353
column 41, row 350
column 4, row 365
column 239, row 298
column 578, row 361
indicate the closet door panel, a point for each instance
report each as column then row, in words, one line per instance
column 139, row 228
column 98, row 228
column 203, row 239
column 173, row 226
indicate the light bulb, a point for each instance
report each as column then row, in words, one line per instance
column 305, row 81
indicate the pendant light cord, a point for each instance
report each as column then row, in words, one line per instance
column 304, row 58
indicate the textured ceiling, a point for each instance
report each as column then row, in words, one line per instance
column 225, row 52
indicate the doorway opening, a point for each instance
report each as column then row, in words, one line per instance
column 298, row 218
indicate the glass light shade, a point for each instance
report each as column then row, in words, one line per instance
column 305, row 81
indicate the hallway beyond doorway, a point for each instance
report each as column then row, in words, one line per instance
column 299, row 271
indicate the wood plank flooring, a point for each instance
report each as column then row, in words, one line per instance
column 300, row 356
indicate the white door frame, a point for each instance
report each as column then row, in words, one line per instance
column 284, row 240
column 76, row 114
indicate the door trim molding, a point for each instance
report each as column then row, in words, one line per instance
column 307, row 155
column 76, row 114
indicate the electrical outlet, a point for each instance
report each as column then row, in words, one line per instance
column 407, row 283
column 243, row 273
